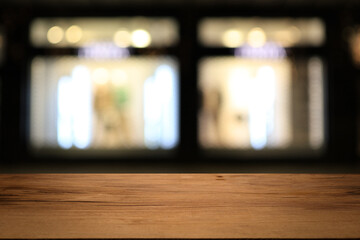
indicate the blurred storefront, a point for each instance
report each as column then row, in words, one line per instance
column 184, row 82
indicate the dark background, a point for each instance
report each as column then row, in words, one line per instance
column 342, row 86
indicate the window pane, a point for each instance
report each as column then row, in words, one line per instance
column 261, row 98
column 259, row 104
column 104, row 104
column 104, row 98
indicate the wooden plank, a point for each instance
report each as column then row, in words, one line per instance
column 179, row 206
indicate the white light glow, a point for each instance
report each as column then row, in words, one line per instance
column 262, row 107
column 73, row 34
column 160, row 109
column 257, row 97
column 74, row 124
column 64, row 112
column 55, row 34
column 82, row 107
column 167, row 87
column 140, row 38
column 151, row 114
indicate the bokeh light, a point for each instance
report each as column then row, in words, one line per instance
column 122, row 38
column 256, row 37
column 73, row 34
column 232, row 38
column 55, row 34
column 140, row 38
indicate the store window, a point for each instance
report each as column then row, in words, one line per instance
column 104, row 97
column 269, row 93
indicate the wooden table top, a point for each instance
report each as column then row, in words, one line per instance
column 179, row 206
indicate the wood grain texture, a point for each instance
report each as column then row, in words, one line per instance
column 179, row 206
